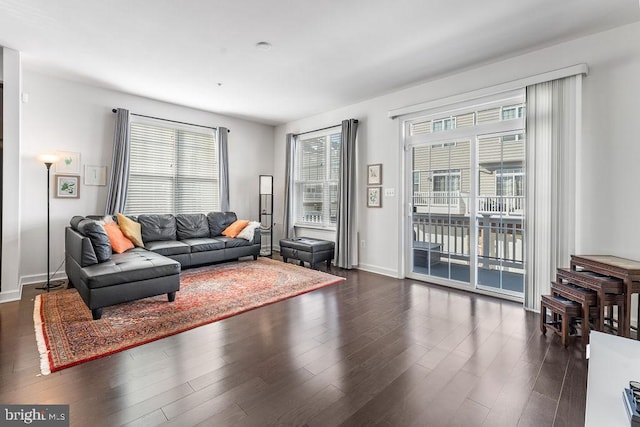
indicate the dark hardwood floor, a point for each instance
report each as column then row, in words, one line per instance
column 369, row 351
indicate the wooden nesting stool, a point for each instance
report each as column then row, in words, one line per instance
column 562, row 308
column 628, row 271
column 606, row 288
column 585, row 297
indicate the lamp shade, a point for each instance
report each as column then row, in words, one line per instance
column 266, row 184
column 48, row 158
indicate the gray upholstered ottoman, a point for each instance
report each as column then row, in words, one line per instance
column 306, row 249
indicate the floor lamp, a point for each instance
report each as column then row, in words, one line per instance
column 48, row 160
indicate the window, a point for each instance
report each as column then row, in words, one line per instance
column 416, row 181
column 173, row 169
column 316, row 179
column 444, row 124
column 510, row 182
column 446, row 180
column 444, row 145
column 513, row 138
column 512, row 112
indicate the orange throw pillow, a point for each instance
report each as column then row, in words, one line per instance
column 234, row 229
column 119, row 243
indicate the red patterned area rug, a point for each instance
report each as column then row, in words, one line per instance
column 67, row 335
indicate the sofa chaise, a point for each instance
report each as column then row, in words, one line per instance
column 171, row 243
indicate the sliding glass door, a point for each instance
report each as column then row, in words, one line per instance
column 440, row 224
column 465, row 198
column 500, row 216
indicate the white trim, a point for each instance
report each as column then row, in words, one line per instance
column 491, row 90
column 379, row 270
column 11, row 296
column 11, row 170
column 41, row 278
column 432, row 280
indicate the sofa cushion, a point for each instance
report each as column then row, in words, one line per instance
column 234, row 229
column 119, row 242
column 168, row 247
column 219, row 221
column 248, row 233
column 203, row 244
column 157, row 227
column 79, row 248
column 75, row 221
column 99, row 239
column 131, row 229
column 131, row 266
column 192, row 226
column 230, row 242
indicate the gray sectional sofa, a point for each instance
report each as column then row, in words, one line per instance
column 171, row 243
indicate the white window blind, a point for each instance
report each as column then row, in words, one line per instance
column 317, row 168
column 173, row 169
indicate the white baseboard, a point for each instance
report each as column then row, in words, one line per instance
column 40, row 278
column 378, row 270
column 10, row 296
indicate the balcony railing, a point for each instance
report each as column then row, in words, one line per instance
column 508, row 205
column 487, row 204
column 499, row 241
column 436, row 198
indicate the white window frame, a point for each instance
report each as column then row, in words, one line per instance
column 510, row 173
column 447, row 123
column 519, row 111
column 516, row 137
column 448, row 174
column 329, row 187
column 416, row 181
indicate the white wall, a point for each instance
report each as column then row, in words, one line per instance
column 608, row 169
column 66, row 116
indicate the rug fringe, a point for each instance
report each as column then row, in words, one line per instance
column 45, row 368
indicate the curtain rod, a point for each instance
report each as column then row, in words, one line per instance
column 115, row 110
column 318, row 130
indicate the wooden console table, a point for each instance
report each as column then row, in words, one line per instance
column 621, row 268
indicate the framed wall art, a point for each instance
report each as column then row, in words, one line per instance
column 95, row 175
column 374, row 197
column 69, row 162
column 67, row 186
column 374, row 174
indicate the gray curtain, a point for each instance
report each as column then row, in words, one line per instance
column 223, row 139
column 288, row 219
column 117, row 192
column 346, row 255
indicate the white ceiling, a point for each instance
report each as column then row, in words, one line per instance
column 326, row 53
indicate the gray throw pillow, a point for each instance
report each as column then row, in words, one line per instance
column 99, row 239
column 75, row 221
column 219, row 221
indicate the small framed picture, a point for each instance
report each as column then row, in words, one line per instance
column 69, row 162
column 95, row 175
column 374, row 174
column 68, row 186
column 374, row 197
